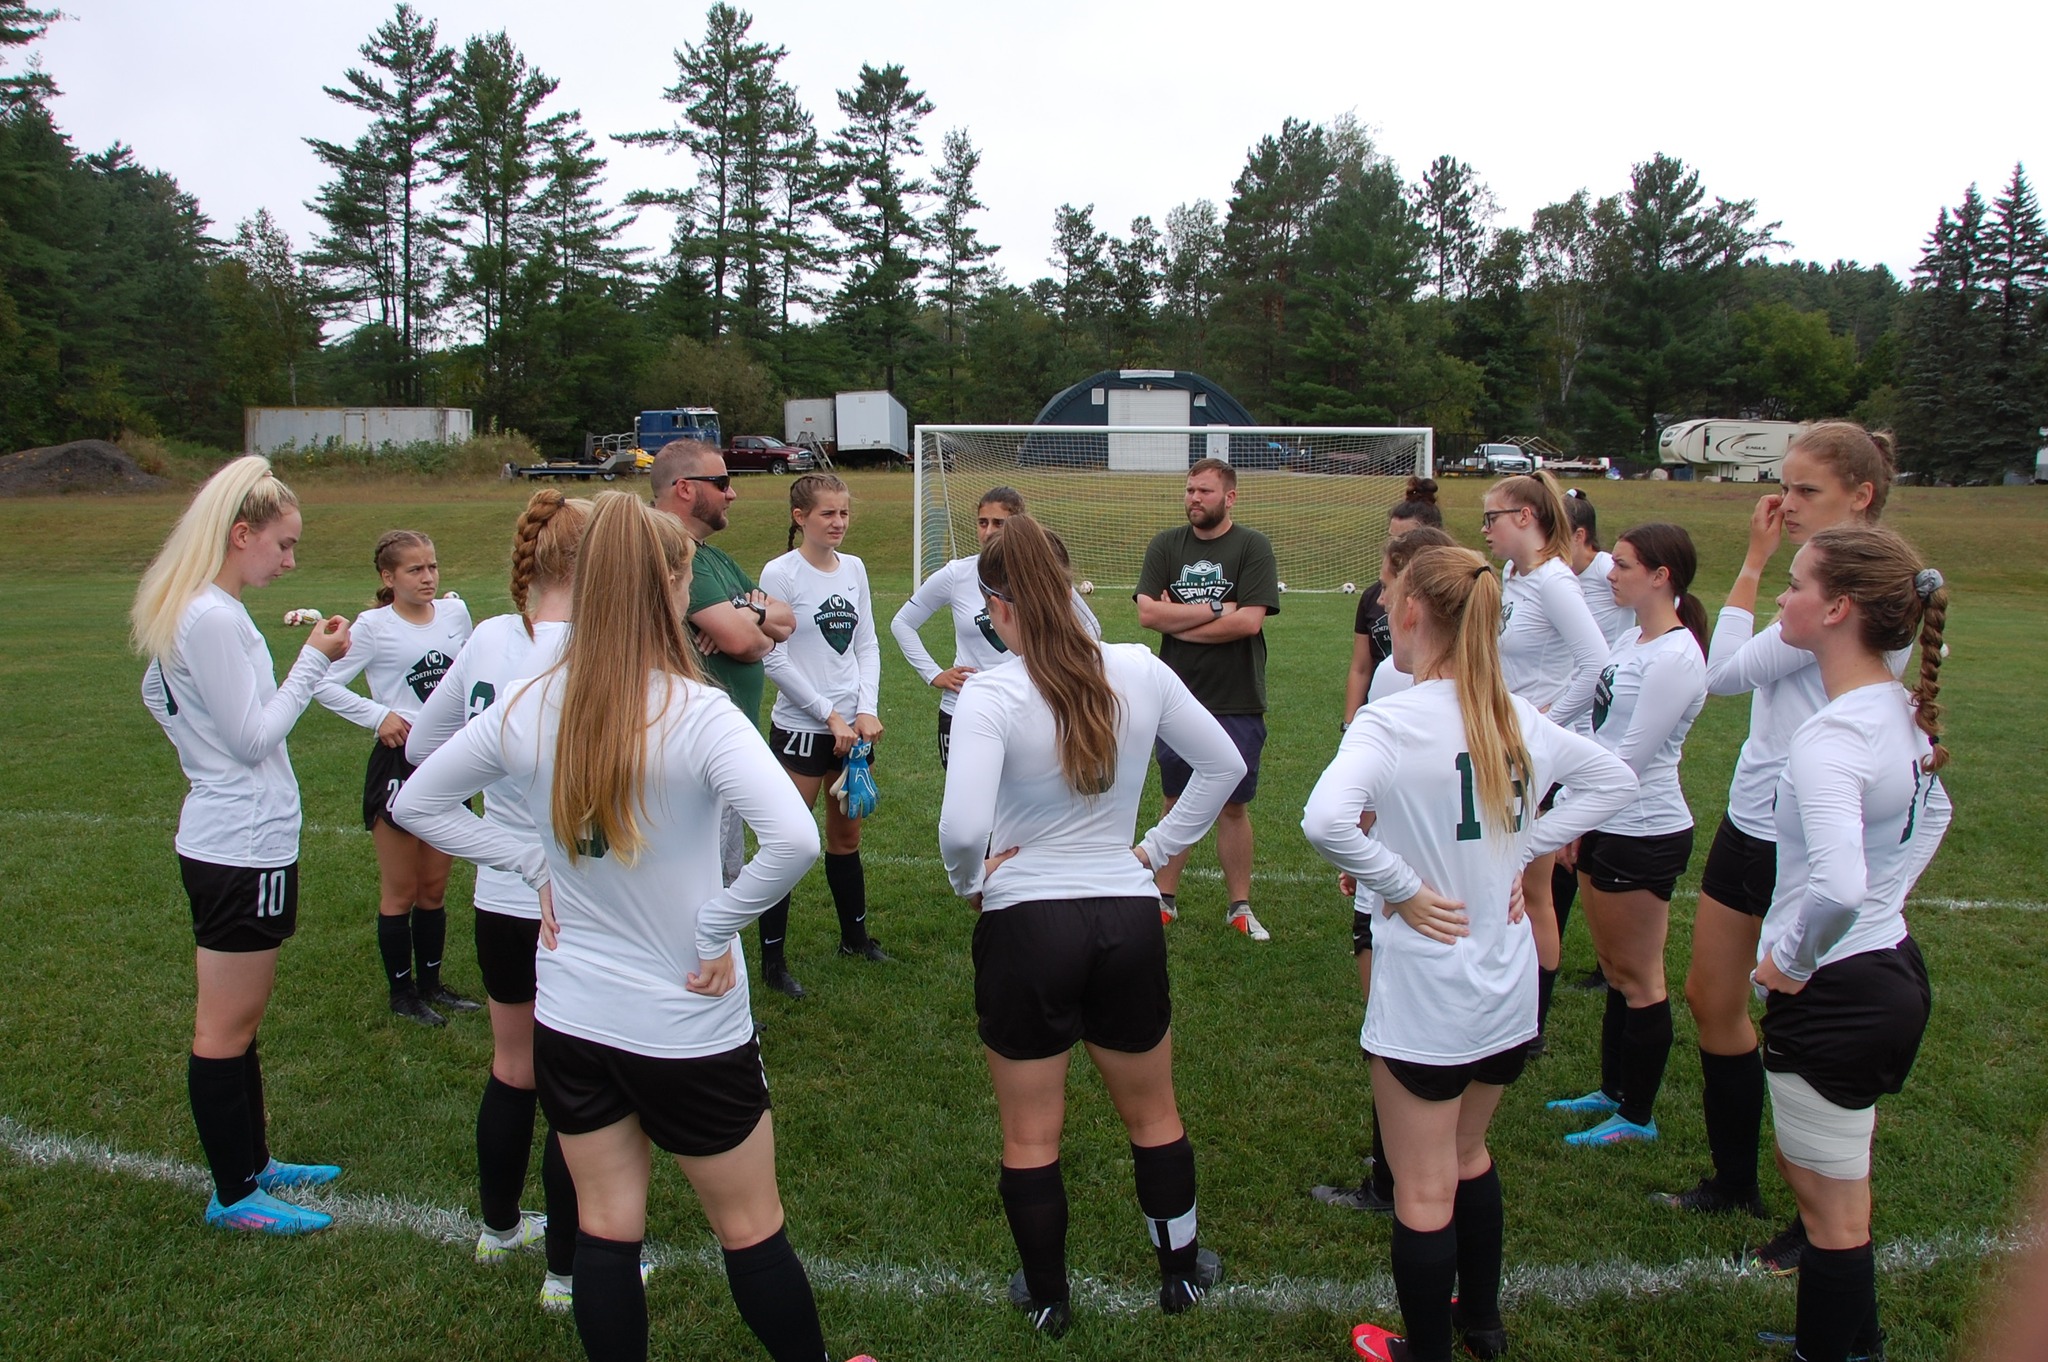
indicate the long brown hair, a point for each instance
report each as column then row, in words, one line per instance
column 1460, row 592
column 633, row 562
column 390, row 546
column 1855, row 456
column 1898, row 598
column 1660, row 544
column 544, row 544
column 1541, row 494
column 1402, row 548
column 1024, row 567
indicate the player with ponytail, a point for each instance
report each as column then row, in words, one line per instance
column 1450, row 769
column 1037, row 832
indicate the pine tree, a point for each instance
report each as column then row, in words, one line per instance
column 1190, row 279
column 1455, row 206
column 20, row 25
column 876, row 308
column 269, row 307
column 1286, row 181
column 1135, row 266
column 959, row 267
column 1081, row 283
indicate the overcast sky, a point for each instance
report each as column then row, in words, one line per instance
column 1852, row 124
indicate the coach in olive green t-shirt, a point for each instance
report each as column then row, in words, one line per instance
column 1207, row 587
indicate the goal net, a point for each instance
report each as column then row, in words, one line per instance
column 1321, row 494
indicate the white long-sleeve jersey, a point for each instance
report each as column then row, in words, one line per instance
column 496, row 658
column 832, row 664
column 219, row 703
column 403, row 662
column 1004, row 787
column 630, row 934
column 1404, row 757
column 1857, row 821
column 1649, row 695
column 1614, row 620
column 1551, row 648
column 956, row 588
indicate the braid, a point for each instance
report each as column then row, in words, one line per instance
column 1926, row 708
column 540, row 509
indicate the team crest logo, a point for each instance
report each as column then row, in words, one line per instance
column 1507, row 612
column 836, row 619
column 988, row 631
column 1603, row 696
column 427, row 673
column 1202, row 582
column 1382, row 631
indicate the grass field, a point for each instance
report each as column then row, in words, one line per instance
column 886, row 1126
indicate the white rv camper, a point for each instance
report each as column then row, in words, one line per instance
column 1728, row 451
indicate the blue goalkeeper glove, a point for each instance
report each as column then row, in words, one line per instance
column 855, row 789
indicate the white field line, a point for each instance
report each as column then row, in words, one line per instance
column 1276, row 875
column 1564, row 1285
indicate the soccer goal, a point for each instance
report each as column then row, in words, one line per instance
column 1320, row 493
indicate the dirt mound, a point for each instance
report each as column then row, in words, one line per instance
column 81, row 466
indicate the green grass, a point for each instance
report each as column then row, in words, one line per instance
column 886, row 1127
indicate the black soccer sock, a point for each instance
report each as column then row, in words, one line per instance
column 849, row 886
column 259, row 1119
column 1035, row 1202
column 504, row 1144
column 1546, row 985
column 1425, row 1275
column 559, row 1191
column 1382, row 1171
column 220, row 1109
column 1732, row 1097
column 1481, row 1222
column 774, row 929
column 773, row 1293
column 611, row 1300
column 1564, row 891
column 394, row 943
column 1837, row 1300
column 1612, row 1023
column 1645, row 1050
column 429, row 943
column 1166, row 1194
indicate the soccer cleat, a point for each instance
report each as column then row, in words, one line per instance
column 1169, row 910
column 1779, row 1255
column 409, row 1005
column 1375, row 1344
column 265, row 1214
column 277, row 1175
column 1241, row 918
column 494, row 1247
column 1708, row 1199
column 1536, row 1049
column 1593, row 980
column 1363, row 1197
column 557, row 1294
column 1052, row 1320
column 870, row 950
column 1594, row 1103
column 1614, row 1130
column 778, row 977
column 1776, row 1340
column 1484, row 1344
column 448, row 1000
column 1178, row 1294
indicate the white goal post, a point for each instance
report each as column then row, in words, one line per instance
column 1320, row 493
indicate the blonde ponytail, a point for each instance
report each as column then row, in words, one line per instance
column 242, row 492
column 1461, row 593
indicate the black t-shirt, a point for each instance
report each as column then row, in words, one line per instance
column 1372, row 622
column 1238, row 565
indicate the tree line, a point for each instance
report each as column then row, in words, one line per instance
column 468, row 255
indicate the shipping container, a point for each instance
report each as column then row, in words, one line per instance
column 266, row 430
column 870, row 423
column 807, row 421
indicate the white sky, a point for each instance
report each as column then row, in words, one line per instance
column 1853, row 124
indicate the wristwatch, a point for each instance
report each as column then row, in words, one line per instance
column 1215, row 607
column 741, row 601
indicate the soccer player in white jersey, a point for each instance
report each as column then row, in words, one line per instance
column 1450, row 769
column 642, row 1031
column 1037, row 834
column 1653, row 688
column 1551, row 651
column 1836, row 473
column 503, row 651
column 1417, row 509
column 405, row 644
column 1376, row 1192
column 955, row 588
column 1845, row 990
column 210, row 685
column 828, row 681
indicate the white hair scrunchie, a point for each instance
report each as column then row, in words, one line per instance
column 1926, row 582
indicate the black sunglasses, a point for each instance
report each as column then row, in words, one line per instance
column 722, row 481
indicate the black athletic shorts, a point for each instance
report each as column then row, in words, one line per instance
column 1617, row 863
column 804, row 753
column 1854, row 1030
column 238, row 908
column 945, row 738
column 1447, row 1082
column 1741, row 870
column 1361, row 932
column 1247, row 734
column 505, row 947
column 1056, row 971
column 387, row 774
column 693, row 1107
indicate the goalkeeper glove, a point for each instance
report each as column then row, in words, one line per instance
column 855, row 788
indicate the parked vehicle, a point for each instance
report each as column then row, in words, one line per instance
column 1501, row 461
column 1730, row 451
column 766, row 454
column 606, row 461
column 807, row 423
column 870, row 427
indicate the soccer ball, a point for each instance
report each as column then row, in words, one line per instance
column 303, row 617
column 450, row 596
column 1350, row 588
column 1283, row 588
column 1087, row 588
